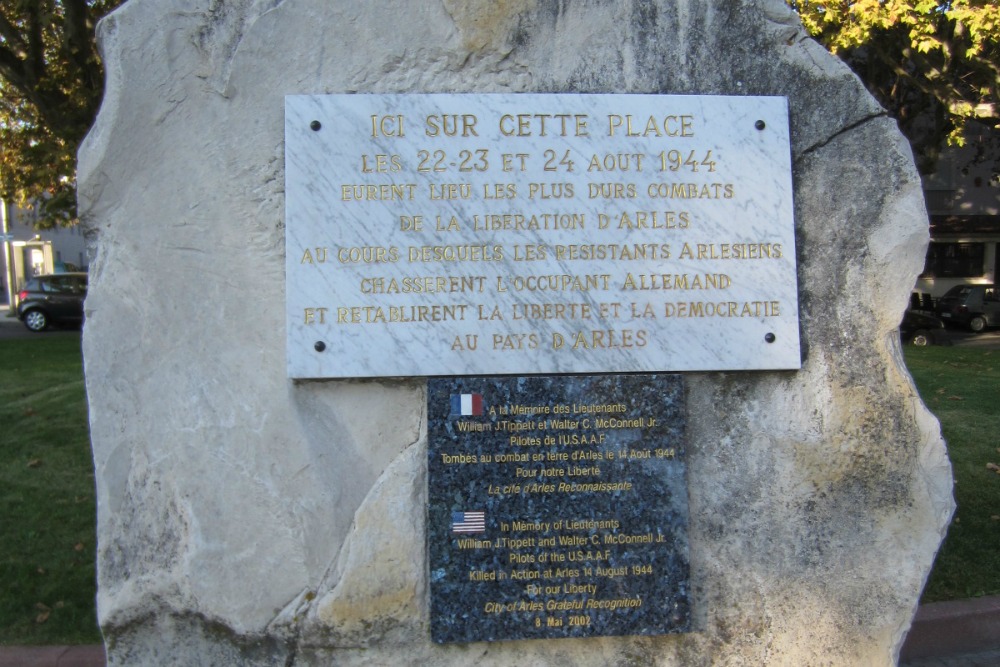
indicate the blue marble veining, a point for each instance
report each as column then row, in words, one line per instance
column 560, row 510
column 513, row 234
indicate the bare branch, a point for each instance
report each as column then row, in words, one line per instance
column 35, row 60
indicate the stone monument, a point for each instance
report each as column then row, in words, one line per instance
column 526, row 332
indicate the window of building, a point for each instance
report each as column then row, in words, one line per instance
column 955, row 260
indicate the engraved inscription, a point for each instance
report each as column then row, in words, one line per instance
column 557, row 507
column 436, row 234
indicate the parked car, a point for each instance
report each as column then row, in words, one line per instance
column 52, row 299
column 920, row 328
column 974, row 306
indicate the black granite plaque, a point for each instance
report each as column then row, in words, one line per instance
column 557, row 507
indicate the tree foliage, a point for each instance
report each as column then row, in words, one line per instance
column 51, row 83
column 933, row 64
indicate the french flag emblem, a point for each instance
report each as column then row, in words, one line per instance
column 467, row 405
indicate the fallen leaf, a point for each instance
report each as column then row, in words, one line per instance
column 992, row 466
column 41, row 606
column 35, row 463
column 995, row 517
column 955, row 398
column 40, row 570
column 78, row 546
column 44, row 616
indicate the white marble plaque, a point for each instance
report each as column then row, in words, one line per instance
column 515, row 234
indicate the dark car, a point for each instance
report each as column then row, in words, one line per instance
column 974, row 306
column 52, row 299
column 920, row 328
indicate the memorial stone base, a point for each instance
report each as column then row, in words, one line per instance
column 257, row 512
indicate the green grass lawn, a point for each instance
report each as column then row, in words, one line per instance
column 47, row 508
column 961, row 386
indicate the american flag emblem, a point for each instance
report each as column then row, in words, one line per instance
column 467, row 405
column 468, row 522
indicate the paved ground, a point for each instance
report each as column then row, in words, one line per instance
column 52, row 656
column 11, row 327
column 990, row 339
column 961, row 633
column 93, row 656
column 988, row 659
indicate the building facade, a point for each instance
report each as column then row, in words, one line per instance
column 963, row 200
column 30, row 252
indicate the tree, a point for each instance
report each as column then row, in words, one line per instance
column 933, row 64
column 51, row 83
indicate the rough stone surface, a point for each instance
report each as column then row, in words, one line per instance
column 242, row 517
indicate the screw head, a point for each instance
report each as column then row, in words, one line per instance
column 319, row 346
column 760, row 125
column 770, row 337
column 315, row 126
